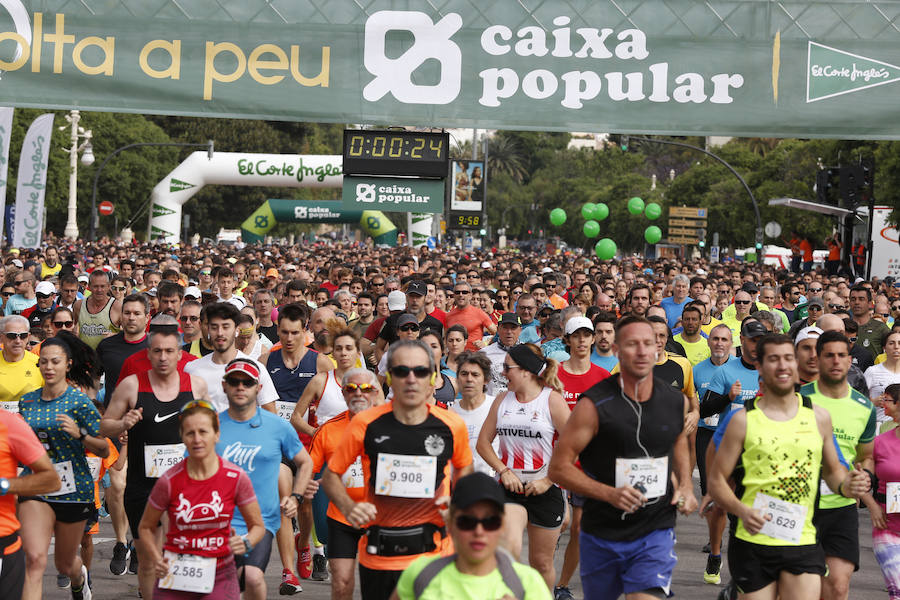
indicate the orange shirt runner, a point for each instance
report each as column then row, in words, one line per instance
column 326, row 440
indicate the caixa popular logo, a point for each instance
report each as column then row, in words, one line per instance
column 431, row 42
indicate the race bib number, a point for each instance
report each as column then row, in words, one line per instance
column 892, row 493
column 189, row 573
column 784, row 520
column 405, row 476
column 652, row 473
column 284, row 409
column 11, row 406
column 66, row 478
column 161, row 457
column 353, row 477
column 94, row 463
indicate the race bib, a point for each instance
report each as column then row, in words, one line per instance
column 160, row 458
column 405, row 476
column 784, row 519
column 12, row 406
column 892, row 493
column 824, row 490
column 652, row 473
column 353, row 477
column 284, row 409
column 94, row 463
column 66, row 478
column 189, row 573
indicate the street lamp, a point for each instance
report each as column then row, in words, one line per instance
column 87, row 159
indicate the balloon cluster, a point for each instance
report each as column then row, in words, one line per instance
column 594, row 213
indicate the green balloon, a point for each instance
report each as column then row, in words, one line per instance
column 653, row 211
column 605, row 249
column 591, row 228
column 601, row 211
column 587, row 211
column 635, row 206
column 557, row 216
column 653, row 234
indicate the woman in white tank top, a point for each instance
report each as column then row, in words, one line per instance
column 526, row 419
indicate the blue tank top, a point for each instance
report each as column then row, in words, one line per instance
column 290, row 383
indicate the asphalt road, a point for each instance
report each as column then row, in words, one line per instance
column 867, row 583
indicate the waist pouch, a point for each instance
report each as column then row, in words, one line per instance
column 402, row 541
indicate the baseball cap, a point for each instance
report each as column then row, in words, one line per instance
column 17, row 263
column 406, row 319
column 816, row 301
column 576, row 323
column 546, row 270
column 509, row 319
column 151, row 292
column 273, row 272
column 193, row 292
column 485, row 264
column 477, row 487
column 396, row 300
column 243, row 366
column 750, row 287
column 416, row 287
column 83, row 278
column 752, row 329
column 45, row 287
column 808, row 333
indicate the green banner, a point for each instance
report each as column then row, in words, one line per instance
column 393, row 194
column 273, row 211
column 739, row 67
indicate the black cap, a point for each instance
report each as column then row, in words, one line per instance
column 509, row 319
column 749, row 287
column 406, row 319
column 416, row 287
column 477, row 487
column 752, row 329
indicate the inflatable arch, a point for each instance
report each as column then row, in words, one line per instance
column 373, row 222
column 240, row 168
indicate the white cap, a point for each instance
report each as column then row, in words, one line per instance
column 576, row 323
column 701, row 272
column 396, row 300
column 17, row 263
column 546, row 270
column 83, row 277
column 45, row 287
column 485, row 264
column 808, row 333
column 193, row 292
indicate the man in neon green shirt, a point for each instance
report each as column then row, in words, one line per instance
column 479, row 570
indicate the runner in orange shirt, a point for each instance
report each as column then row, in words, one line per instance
column 99, row 467
column 361, row 391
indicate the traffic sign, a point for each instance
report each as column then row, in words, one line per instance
column 690, row 212
column 106, row 208
column 696, row 223
column 678, row 239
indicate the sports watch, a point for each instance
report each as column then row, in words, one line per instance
column 299, row 498
column 4, row 486
column 246, row 539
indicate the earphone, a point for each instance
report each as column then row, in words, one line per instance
column 387, row 379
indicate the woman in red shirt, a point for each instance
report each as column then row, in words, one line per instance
column 199, row 495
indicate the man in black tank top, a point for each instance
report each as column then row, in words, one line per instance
column 146, row 405
column 628, row 432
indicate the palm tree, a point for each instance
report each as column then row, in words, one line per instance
column 505, row 156
column 762, row 146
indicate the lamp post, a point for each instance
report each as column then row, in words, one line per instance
column 87, row 159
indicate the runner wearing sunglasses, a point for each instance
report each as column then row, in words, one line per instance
column 18, row 367
column 479, row 568
column 407, row 448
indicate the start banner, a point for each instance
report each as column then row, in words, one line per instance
column 747, row 68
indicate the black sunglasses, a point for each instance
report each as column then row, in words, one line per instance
column 11, row 335
column 402, row 371
column 469, row 523
column 62, row 324
column 43, row 296
column 8, row 294
column 897, row 307
column 191, row 318
column 409, row 327
column 240, row 382
column 742, row 301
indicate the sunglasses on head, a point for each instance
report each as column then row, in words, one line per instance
column 63, row 324
column 195, row 403
column 240, row 382
column 402, row 371
column 11, row 335
column 469, row 523
column 365, row 388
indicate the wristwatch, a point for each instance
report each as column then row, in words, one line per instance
column 246, row 539
column 84, row 433
column 4, row 486
column 299, row 498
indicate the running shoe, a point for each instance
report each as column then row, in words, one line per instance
column 289, row 584
column 83, row 592
column 304, row 557
column 62, row 581
column 562, row 593
column 320, row 568
column 119, row 561
column 713, row 570
column 133, row 563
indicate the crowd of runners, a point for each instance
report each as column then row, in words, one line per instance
column 411, row 415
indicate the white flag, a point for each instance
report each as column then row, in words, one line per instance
column 31, row 182
column 6, row 117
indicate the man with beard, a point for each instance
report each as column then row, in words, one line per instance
column 854, row 420
column 97, row 316
column 604, row 335
column 805, row 350
column 169, row 295
column 638, row 299
column 743, row 306
column 692, row 338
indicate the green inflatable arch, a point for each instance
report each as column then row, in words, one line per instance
column 373, row 222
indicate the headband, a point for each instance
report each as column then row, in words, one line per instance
column 527, row 359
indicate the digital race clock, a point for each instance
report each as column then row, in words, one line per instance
column 465, row 220
column 400, row 153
